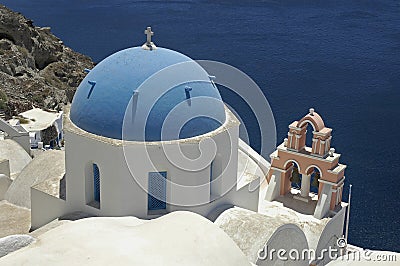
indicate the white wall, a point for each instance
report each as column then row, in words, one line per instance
column 123, row 194
column 34, row 138
column 332, row 231
column 45, row 208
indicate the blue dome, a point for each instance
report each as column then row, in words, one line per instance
column 144, row 95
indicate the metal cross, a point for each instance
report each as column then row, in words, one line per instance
column 149, row 45
column 149, row 33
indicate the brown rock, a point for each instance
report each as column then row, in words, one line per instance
column 36, row 69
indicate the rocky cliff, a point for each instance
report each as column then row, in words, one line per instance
column 36, row 68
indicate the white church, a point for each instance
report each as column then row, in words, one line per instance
column 147, row 133
column 148, row 136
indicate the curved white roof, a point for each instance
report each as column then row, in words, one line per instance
column 178, row 238
column 48, row 165
column 17, row 156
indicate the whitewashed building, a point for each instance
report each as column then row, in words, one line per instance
column 147, row 133
column 40, row 120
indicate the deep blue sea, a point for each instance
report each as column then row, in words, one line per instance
column 340, row 57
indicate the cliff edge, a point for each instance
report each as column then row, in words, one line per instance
column 36, row 68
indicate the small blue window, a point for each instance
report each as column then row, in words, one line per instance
column 157, row 191
column 96, row 182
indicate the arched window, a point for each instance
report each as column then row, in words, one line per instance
column 314, row 181
column 96, row 183
column 295, row 176
column 309, row 135
column 92, row 184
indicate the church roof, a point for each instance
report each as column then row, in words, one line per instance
column 147, row 95
column 177, row 238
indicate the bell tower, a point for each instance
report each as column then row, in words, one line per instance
column 317, row 166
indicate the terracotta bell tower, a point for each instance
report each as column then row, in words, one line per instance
column 319, row 162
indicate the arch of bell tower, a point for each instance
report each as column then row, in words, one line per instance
column 321, row 141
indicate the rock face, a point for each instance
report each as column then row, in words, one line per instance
column 35, row 67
